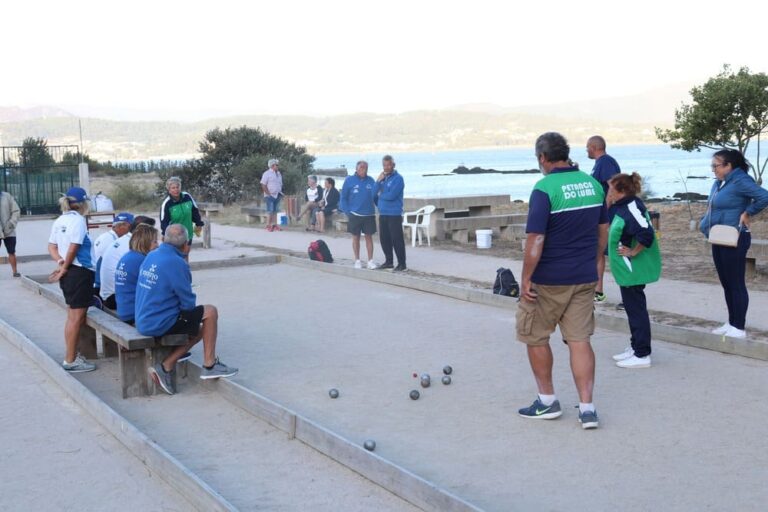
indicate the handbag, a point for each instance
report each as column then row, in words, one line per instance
column 721, row 234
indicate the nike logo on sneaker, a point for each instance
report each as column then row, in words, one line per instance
column 539, row 412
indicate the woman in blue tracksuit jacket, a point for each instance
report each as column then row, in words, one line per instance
column 733, row 200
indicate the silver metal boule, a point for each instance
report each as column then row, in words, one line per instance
column 333, row 393
column 447, row 370
column 446, row 379
column 369, row 445
column 415, row 394
column 425, row 381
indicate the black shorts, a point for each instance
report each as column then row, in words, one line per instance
column 77, row 286
column 357, row 224
column 188, row 322
column 10, row 244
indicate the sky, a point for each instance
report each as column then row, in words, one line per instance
column 168, row 59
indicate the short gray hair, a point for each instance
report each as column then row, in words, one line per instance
column 312, row 178
column 172, row 179
column 272, row 161
column 553, row 146
column 176, row 235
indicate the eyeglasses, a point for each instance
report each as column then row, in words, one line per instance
column 715, row 166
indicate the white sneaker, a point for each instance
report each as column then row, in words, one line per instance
column 733, row 332
column 722, row 329
column 358, row 264
column 628, row 352
column 372, row 265
column 635, row 362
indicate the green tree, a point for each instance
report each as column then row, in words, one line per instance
column 727, row 112
column 35, row 155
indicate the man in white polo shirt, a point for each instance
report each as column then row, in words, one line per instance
column 120, row 226
column 110, row 259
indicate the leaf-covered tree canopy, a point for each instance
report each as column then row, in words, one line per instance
column 233, row 161
column 728, row 111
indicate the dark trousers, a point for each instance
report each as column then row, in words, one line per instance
column 633, row 298
column 731, row 265
column 391, row 236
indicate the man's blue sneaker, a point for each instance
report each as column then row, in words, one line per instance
column 539, row 411
column 588, row 419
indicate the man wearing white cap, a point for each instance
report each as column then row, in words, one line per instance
column 120, row 226
column 272, row 186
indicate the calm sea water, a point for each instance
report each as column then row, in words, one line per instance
column 660, row 166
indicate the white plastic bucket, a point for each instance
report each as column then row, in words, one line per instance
column 282, row 219
column 483, row 238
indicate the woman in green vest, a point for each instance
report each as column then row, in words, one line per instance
column 635, row 260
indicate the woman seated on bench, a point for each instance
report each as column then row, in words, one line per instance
column 144, row 239
column 329, row 204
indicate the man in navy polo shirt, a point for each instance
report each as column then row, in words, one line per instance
column 606, row 167
column 567, row 228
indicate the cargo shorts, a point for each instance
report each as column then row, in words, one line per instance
column 569, row 306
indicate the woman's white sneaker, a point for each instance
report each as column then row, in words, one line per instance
column 722, row 329
column 733, row 332
column 635, row 362
column 628, row 352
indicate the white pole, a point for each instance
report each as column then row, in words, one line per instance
column 85, row 181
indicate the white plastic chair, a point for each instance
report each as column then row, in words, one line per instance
column 420, row 223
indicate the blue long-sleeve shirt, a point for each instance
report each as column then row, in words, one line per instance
column 390, row 190
column 126, row 278
column 357, row 196
column 164, row 289
column 729, row 198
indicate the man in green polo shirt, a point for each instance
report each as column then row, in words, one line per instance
column 566, row 230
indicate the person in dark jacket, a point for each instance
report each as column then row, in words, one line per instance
column 179, row 208
column 635, row 261
column 329, row 204
column 734, row 199
column 165, row 304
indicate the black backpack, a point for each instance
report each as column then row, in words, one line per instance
column 319, row 251
column 505, row 283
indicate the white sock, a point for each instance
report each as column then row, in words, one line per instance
column 586, row 407
column 547, row 399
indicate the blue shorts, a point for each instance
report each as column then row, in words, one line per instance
column 272, row 203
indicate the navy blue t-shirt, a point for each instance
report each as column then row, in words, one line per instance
column 566, row 206
column 605, row 168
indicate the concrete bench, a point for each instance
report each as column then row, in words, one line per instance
column 136, row 353
column 461, row 229
column 758, row 250
column 210, row 208
column 252, row 213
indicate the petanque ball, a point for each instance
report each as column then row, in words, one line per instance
column 446, row 379
column 369, row 445
column 415, row 394
column 425, row 381
column 447, row 370
column 333, row 393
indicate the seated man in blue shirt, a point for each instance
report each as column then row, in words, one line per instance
column 165, row 304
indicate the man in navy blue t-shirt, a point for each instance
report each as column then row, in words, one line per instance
column 605, row 168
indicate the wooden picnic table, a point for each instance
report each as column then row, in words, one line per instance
column 456, row 206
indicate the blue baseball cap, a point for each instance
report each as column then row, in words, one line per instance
column 124, row 217
column 77, row 195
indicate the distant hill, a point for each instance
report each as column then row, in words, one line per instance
column 13, row 114
column 620, row 120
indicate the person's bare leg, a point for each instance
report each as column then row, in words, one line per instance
column 540, row 358
column 208, row 333
column 320, row 221
column 356, row 246
column 75, row 319
column 583, row 368
column 369, row 246
column 12, row 261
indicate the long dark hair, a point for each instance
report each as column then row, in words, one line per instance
column 733, row 157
